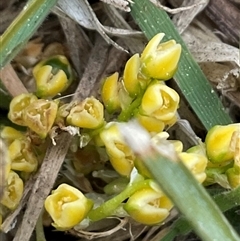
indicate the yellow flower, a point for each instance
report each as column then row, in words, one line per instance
column 196, row 163
column 160, row 101
column 17, row 107
column 67, row 206
column 13, row 191
column 120, row 155
column 52, row 76
column 109, row 93
column 22, row 156
column 130, row 76
column 218, row 141
column 159, row 61
column 40, row 115
column 149, row 206
column 9, row 134
column 87, row 114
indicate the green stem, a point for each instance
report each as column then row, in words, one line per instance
column 107, row 208
column 39, row 229
column 22, row 28
column 127, row 113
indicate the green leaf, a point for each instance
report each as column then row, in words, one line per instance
column 229, row 200
column 189, row 77
column 189, row 196
column 22, row 28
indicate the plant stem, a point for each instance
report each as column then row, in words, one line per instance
column 127, row 113
column 39, row 229
column 107, row 208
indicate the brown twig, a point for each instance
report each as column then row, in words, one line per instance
column 11, row 81
column 227, row 17
column 55, row 155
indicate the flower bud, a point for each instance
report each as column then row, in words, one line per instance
column 17, row 107
column 160, row 101
column 13, row 191
column 120, row 155
column 130, row 75
column 218, row 142
column 149, row 206
column 109, row 93
column 22, row 156
column 53, row 76
column 87, row 114
column 159, row 61
column 67, row 206
column 39, row 116
column 196, row 163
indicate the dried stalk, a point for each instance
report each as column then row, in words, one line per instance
column 227, row 17
column 11, row 81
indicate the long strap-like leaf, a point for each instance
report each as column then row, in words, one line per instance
column 22, row 28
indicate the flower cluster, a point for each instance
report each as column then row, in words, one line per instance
column 20, row 161
column 99, row 151
column 222, row 150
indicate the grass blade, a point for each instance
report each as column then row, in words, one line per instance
column 179, row 184
column 191, row 80
column 225, row 201
column 22, row 28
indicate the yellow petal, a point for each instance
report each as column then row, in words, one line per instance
column 218, row 142
column 196, row 163
column 130, row 75
column 160, row 102
column 13, row 191
column 67, row 206
column 159, row 61
column 40, row 115
column 120, row 155
column 151, row 123
column 87, row 114
column 17, row 107
column 152, row 46
column 109, row 93
column 53, row 76
column 148, row 206
column 22, row 156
